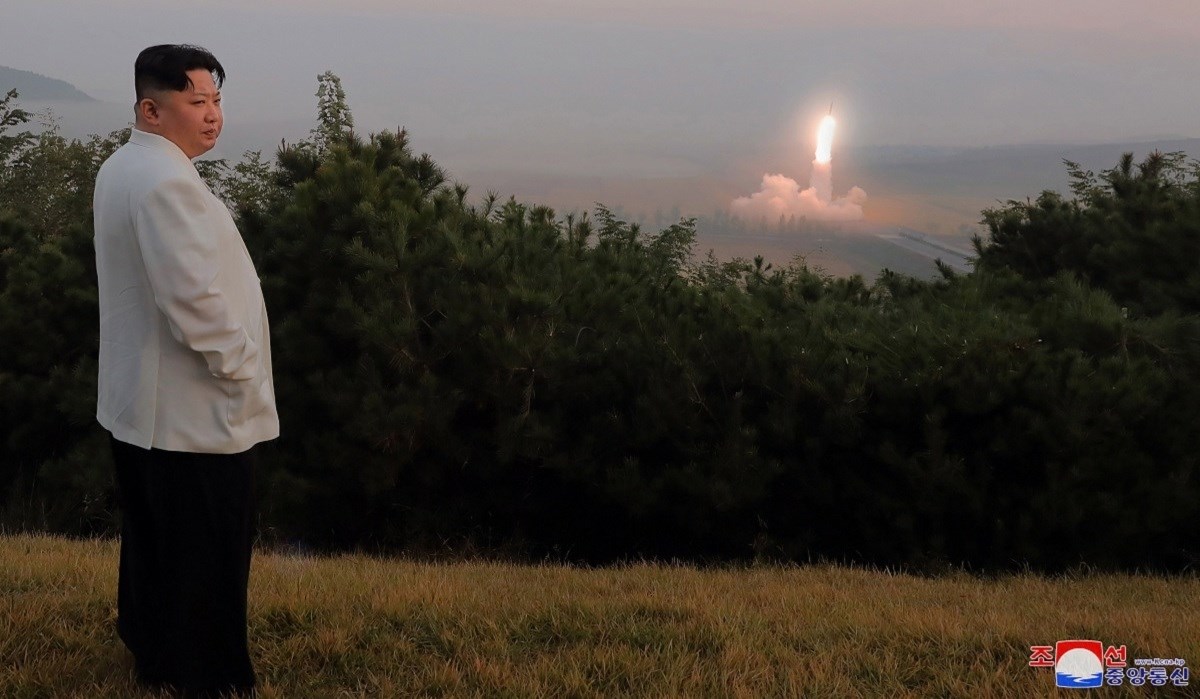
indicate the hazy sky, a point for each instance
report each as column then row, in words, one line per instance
column 656, row 87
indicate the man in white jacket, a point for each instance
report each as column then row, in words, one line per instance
column 185, row 384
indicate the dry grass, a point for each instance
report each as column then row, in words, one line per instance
column 353, row 626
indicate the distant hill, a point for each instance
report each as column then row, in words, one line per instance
column 33, row 86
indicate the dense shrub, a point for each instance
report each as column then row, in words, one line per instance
column 1133, row 231
column 492, row 375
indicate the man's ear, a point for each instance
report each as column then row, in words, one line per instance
column 147, row 110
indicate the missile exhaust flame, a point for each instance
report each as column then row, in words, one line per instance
column 825, row 139
column 781, row 196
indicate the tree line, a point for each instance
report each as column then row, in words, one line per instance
column 484, row 375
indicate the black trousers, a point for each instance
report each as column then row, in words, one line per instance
column 187, row 530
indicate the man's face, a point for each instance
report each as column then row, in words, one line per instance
column 190, row 119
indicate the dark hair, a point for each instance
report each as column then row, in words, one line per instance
column 166, row 66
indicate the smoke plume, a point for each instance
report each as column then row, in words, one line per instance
column 782, row 196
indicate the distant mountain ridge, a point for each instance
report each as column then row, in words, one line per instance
column 33, row 86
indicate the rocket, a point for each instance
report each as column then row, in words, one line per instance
column 831, row 109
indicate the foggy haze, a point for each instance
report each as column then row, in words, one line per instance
column 657, row 89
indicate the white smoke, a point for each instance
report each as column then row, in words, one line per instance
column 782, row 196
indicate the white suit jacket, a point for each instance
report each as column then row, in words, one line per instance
column 185, row 350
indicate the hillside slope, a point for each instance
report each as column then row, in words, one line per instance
column 33, row 86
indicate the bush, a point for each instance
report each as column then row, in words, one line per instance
column 492, row 376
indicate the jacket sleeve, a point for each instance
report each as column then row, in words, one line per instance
column 183, row 265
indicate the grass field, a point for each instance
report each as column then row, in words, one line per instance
column 354, row 626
